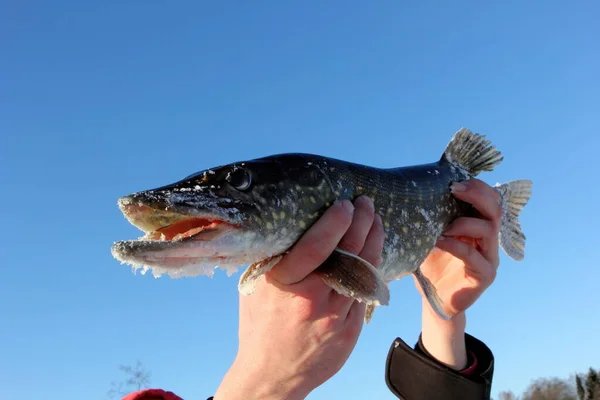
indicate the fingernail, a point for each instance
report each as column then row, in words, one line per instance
column 366, row 200
column 348, row 206
column 458, row 187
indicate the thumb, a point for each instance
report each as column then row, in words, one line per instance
column 317, row 243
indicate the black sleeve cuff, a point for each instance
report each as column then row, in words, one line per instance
column 412, row 374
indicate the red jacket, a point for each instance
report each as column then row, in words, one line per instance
column 152, row 394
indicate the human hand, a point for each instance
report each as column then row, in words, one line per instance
column 295, row 331
column 462, row 267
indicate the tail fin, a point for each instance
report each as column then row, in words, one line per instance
column 514, row 197
column 472, row 152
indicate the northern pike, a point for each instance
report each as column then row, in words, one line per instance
column 251, row 213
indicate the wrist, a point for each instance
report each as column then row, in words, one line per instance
column 253, row 383
column 445, row 339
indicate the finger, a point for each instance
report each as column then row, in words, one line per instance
column 483, row 197
column 362, row 220
column 373, row 246
column 478, row 267
column 473, row 227
column 370, row 252
column 354, row 320
column 480, row 229
column 353, row 241
column 317, row 243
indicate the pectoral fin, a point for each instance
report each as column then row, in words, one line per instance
column 369, row 313
column 354, row 277
column 250, row 277
column 431, row 294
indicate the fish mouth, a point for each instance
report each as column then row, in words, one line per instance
column 190, row 238
column 177, row 236
column 165, row 222
column 187, row 228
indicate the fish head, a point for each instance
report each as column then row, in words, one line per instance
column 224, row 217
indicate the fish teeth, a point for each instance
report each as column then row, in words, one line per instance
column 177, row 237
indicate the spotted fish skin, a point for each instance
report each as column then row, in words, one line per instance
column 415, row 202
column 272, row 201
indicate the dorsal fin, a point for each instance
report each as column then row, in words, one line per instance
column 472, row 152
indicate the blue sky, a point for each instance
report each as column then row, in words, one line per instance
column 100, row 99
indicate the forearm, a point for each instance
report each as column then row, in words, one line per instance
column 444, row 340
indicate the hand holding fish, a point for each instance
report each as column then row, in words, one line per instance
column 467, row 264
column 462, row 267
column 295, row 331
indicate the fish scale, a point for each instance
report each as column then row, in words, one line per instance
column 397, row 189
column 253, row 212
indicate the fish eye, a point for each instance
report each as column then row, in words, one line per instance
column 239, row 178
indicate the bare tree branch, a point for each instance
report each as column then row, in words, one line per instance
column 507, row 396
column 550, row 389
column 137, row 378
